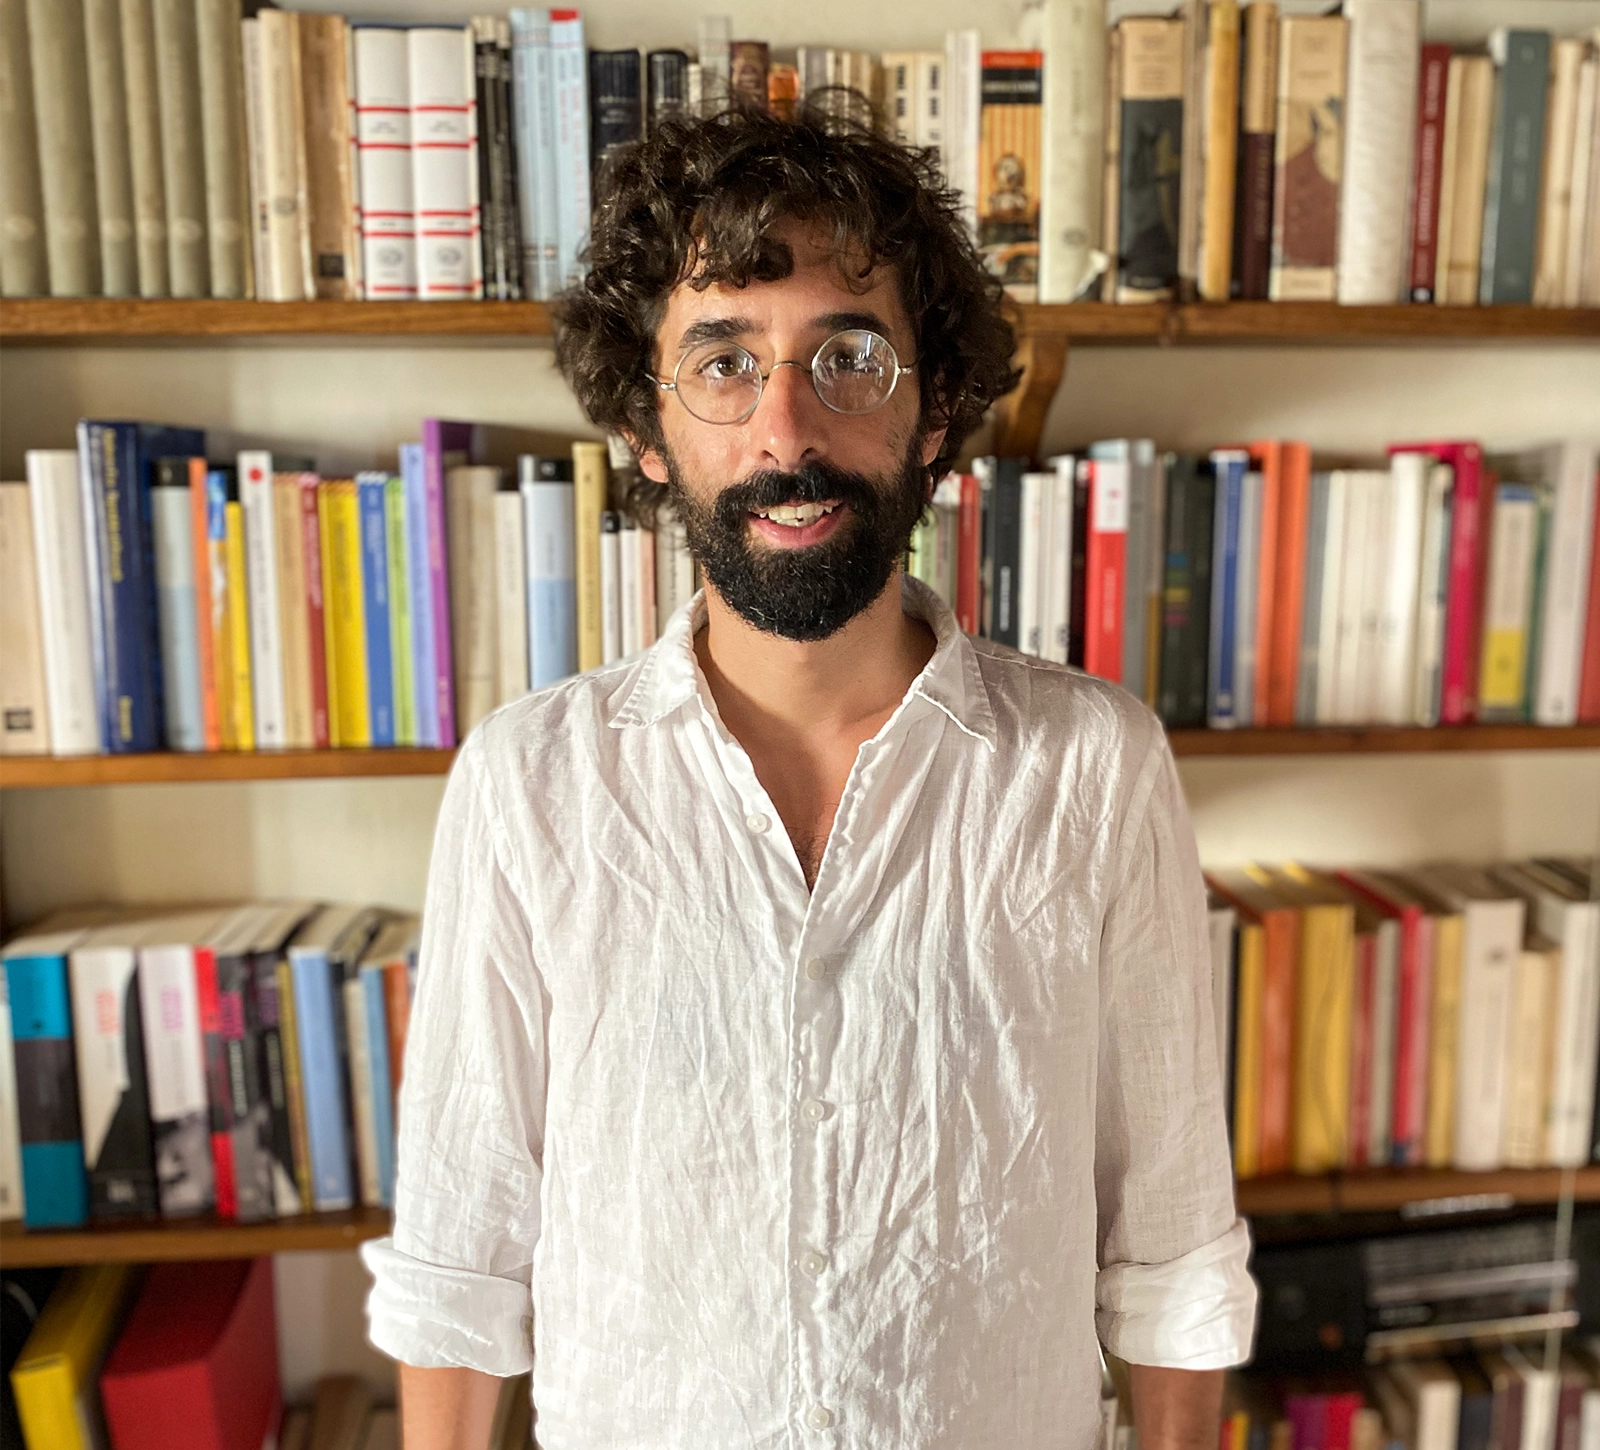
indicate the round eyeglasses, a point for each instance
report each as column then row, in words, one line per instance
column 854, row 372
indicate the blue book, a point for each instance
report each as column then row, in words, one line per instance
column 424, row 667
column 370, row 489
column 115, row 464
column 55, row 1182
column 534, row 119
column 377, row 1024
column 548, row 535
column 1222, row 705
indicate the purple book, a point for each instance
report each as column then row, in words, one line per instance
column 444, row 446
column 1308, row 1417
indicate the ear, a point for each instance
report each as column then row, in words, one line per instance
column 651, row 464
column 932, row 442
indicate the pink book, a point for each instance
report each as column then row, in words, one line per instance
column 444, row 446
column 1472, row 501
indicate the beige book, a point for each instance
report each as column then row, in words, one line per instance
column 1534, row 1003
column 589, row 502
column 1308, row 158
column 330, row 175
column 221, row 61
column 1466, row 174
column 1585, row 163
column 24, row 724
column 1443, row 1032
column 24, row 272
column 58, row 51
column 1589, row 282
column 113, row 171
column 1220, row 145
column 294, row 614
column 280, row 102
column 1555, row 185
column 182, row 147
column 144, row 146
column 1111, row 205
column 469, row 524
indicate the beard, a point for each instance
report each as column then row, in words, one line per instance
column 811, row 591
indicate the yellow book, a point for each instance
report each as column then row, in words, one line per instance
column 241, row 692
column 288, row 1037
column 589, row 502
column 330, row 670
column 1439, row 1144
column 1251, row 969
column 56, row 1377
column 1322, row 1020
column 1509, row 601
column 344, row 611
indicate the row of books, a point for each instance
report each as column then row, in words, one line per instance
column 151, row 598
column 1444, row 1016
column 1246, row 588
column 238, row 1061
column 1339, row 157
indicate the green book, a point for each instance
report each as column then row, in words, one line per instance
column 405, row 692
column 1516, row 154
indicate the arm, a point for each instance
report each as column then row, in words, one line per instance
column 1175, row 1409
column 446, row 1409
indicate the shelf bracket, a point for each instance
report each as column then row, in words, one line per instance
column 1020, row 415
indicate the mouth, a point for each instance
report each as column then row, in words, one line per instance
column 791, row 525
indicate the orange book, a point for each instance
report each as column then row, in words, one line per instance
column 397, row 1008
column 1250, row 889
column 199, row 517
column 1289, row 585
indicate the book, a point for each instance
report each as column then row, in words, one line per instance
column 1244, row 1104
column 534, row 117
column 1516, row 148
column 1432, row 594
column 510, row 595
column 1308, row 160
column 748, row 64
column 113, row 167
column 1463, row 177
column 261, row 569
column 1380, row 125
column 24, row 709
column 183, row 147
column 1583, row 218
column 363, row 1129
column 1313, row 596
column 11, row 1207
column 1589, row 682
column 1568, row 470
column 58, row 51
column 445, row 445
column 616, row 101
column 444, row 166
column 420, row 549
column 1509, row 602
column 1426, row 174
column 240, row 733
column 1186, row 591
column 1005, row 550
column 589, row 502
column 344, row 612
column 1009, row 167
column 1246, row 600
column 667, row 73
column 293, row 1091
column 1395, row 664
column 501, row 246
column 382, row 85
column 24, row 267
column 1286, row 471
column 610, row 587
column 1073, row 137
column 372, row 504
column 1150, row 152
column 1111, row 172
column 1258, row 121
column 568, row 69
column 1230, row 466
column 196, row 1363
column 402, row 656
column 470, row 493
column 1534, row 994
column 289, row 490
column 1106, row 561
column 177, row 609
column 1218, row 127
column 220, row 57
column 330, row 157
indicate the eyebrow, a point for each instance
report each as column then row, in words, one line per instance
column 726, row 329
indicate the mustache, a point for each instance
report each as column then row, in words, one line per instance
column 811, row 483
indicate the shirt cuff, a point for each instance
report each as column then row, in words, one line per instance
column 1193, row 1312
column 438, row 1318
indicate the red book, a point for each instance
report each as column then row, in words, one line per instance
column 1425, row 178
column 1267, row 459
column 311, row 534
column 1105, row 569
column 217, row 1086
column 397, row 1009
column 1589, row 689
column 969, row 558
column 1472, row 504
column 1284, row 605
column 196, row 1364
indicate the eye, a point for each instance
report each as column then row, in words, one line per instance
column 721, row 366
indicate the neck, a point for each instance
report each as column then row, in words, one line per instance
column 816, row 687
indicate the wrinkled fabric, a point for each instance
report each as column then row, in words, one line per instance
column 731, row 1163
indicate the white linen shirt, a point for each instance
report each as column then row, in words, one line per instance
column 729, row 1163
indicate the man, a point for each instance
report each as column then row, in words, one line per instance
column 812, row 1041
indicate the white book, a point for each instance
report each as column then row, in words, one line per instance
column 963, row 73
column 716, row 62
column 1434, row 1394
column 1569, row 469
column 1058, row 605
column 1246, row 588
column 383, row 161
column 10, row 1128
column 549, row 549
column 1385, row 1005
column 1030, row 588
column 674, row 568
column 175, row 1071
column 261, row 576
column 1432, row 589
column 1221, row 921
column 1347, row 645
column 1560, row 146
column 628, row 574
column 1073, row 188
column 1561, row 911
column 511, row 598
column 1330, row 609
column 360, row 1059
column 930, row 100
column 1589, row 1420
column 1533, row 994
column 286, row 243
column 255, row 144
column 24, row 710
column 947, row 510
column 177, row 618
column 1585, row 181
column 1380, row 122
column 62, row 563
column 1400, row 581
column 610, row 588
column 1374, row 578
column 644, row 544
column 100, row 974
column 900, row 95
column 444, row 161
column 469, row 492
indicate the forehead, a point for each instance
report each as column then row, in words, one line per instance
column 822, row 285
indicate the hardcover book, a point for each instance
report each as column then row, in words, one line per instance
column 616, row 104
column 1516, row 151
column 1309, row 158
column 1151, row 157
column 1258, row 120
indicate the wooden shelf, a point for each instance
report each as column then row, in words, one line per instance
column 1381, row 739
column 181, row 1239
column 1386, row 1190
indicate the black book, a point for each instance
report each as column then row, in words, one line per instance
column 1186, row 592
column 277, row 925
column 1077, row 585
column 504, row 142
column 239, row 1107
column 669, row 85
column 616, row 103
column 1151, row 157
column 984, row 469
column 491, row 235
column 1007, row 535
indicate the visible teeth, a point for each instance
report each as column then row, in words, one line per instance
column 797, row 515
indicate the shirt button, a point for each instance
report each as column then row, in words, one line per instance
column 815, row 969
column 812, row 1264
column 819, row 1417
column 756, row 823
column 812, row 1111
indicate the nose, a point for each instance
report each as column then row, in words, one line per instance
column 789, row 423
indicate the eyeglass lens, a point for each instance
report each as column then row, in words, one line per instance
column 852, row 372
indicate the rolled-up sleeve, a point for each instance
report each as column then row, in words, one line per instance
column 452, row 1286
column 1173, row 1288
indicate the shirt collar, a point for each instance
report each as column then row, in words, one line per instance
column 669, row 675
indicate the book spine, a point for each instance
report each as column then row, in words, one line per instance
column 316, row 623
column 330, row 157
column 1516, row 150
column 397, row 1016
column 1357, row 1154
column 616, row 103
column 1219, row 144
column 1244, row 616
column 402, row 660
column 511, row 598
column 443, row 671
column 589, row 502
column 505, row 167
column 1186, row 595
column 1572, row 523
column 1589, row 684
column 65, row 611
column 241, row 688
column 221, row 73
column 1583, row 235
column 1151, row 127
column 293, row 1087
column 182, row 147
column 470, row 493
column 360, row 1068
column 1381, row 1095
column 180, row 1115
column 1030, row 583
column 249, row 1113
column 1469, row 123
column 144, row 146
column 1572, row 1094
column 1245, row 1103
column 285, row 1199
column 293, row 623
column 24, row 266
column 1011, row 124
column 1220, row 703
column 1489, row 960
column 444, row 163
column 667, row 73
column 287, row 250
column 375, row 1024
column 1284, row 607
column 383, row 163
column 1258, row 123
column 1106, row 565
column 568, row 72
column 1313, row 601
column 24, row 715
column 1444, row 1031
column 345, row 607
column 55, row 1186
column 58, row 50
column 534, row 104
column 610, row 587
column 969, row 552
column 261, row 572
column 1007, row 550
column 205, row 588
column 374, row 584
column 113, row 167
column 319, row 1023
column 418, row 547
column 1432, row 88
column 552, row 623
column 1269, row 587
column 1308, row 160
column 1397, row 624
column 177, row 613
column 485, row 99
column 218, row 1089
column 1508, row 601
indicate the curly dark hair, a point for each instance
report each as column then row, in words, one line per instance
column 698, row 202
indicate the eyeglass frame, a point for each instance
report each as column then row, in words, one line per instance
column 900, row 370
